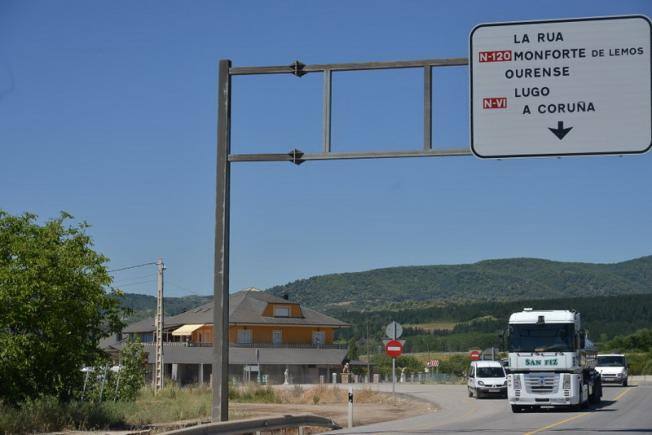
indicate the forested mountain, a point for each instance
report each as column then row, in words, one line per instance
column 490, row 280
column 143, row 306
column 603, row 316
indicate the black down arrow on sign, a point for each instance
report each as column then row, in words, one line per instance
column 560, row 131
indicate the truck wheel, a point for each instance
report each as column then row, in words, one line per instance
column 597, row 391
column 470, row 392
column 625, row 382
column 517, row 409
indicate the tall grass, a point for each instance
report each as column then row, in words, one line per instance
column 47, row 415
column 170, row 405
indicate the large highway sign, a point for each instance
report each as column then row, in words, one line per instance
column 561, row 87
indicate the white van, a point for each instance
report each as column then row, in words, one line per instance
column 613, row 368
column 487, row 378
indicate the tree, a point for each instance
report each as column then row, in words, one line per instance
column 353, row 353
column 132, row 373
column 54, row 306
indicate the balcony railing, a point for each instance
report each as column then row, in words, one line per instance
column 254, row 345
column 291, row 346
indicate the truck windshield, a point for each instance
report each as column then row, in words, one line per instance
column 611, row 361
column 547, row 337
column 490, row 372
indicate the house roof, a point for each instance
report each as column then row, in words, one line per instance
column 239, row 355
column 245, row 307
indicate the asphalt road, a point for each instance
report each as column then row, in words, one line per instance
column 624, row 410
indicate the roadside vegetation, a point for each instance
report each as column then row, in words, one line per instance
column 56, row 304
column 638, row 349
column 171, row 405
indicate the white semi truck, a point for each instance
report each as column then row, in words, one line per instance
column 551, row 361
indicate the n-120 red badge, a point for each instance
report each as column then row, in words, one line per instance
column 496, row 56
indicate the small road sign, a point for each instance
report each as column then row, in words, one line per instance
column 394, row 330
column 393, row 348
column 561, row 87
column 475, row 354
column 433, row 363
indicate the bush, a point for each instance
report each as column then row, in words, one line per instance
column 132, row 373
column 253, row 393
column 383, row 364
column 456, row 365
column 639, row 363
column 47, row 414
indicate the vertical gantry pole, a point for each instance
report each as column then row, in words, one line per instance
column 220, row 407
column 427, row 108
column 328, row 92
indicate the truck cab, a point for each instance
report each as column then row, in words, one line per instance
column 551, row 362
column 613, row 368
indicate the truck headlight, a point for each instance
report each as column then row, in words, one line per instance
column 567, row 381
column 480, row 383
column 505, row 383
column 517, row 382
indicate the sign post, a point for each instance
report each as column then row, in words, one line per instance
column 561, row 87
column 394, row 348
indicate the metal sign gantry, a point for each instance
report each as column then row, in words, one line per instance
column 225, row 158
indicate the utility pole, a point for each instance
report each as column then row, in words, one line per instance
column 158, row 375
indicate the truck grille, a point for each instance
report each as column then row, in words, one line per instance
column 541, row 383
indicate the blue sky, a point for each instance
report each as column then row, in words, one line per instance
column 108, row 111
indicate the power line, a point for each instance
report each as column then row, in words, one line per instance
column 132, row 267
column 127, row 278
column 181, row 287
column 132, row 283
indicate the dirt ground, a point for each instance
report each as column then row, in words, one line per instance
column 363, row 413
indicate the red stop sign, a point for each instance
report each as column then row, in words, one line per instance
column 394, row 348
column 475, row 355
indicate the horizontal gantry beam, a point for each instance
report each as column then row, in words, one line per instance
column 299, row 69
column 299, row 157
column 355, row 66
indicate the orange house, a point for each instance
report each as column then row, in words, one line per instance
column 268, row 336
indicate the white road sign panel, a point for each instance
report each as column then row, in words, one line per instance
column 561, row 87
column 394, row 330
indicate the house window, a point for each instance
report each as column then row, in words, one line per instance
column 318, row 338
column 277, row 337
column 244, row 336
column 281, row 311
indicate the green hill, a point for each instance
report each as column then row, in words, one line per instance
column 497, row 280
column 144, row 306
